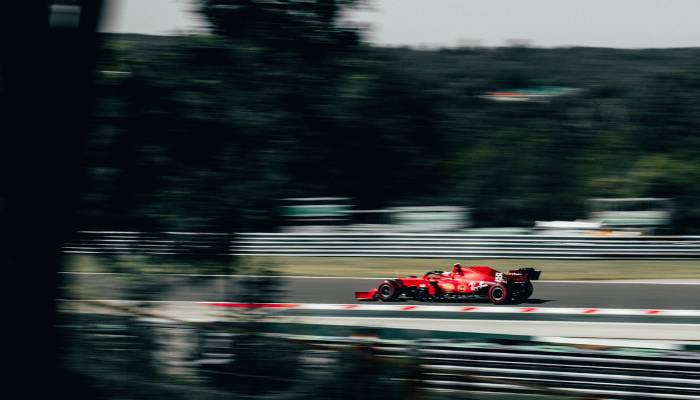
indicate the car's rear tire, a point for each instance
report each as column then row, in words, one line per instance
column 527, row 292
column 498, row 294
column 387, row 291
column 523, row 293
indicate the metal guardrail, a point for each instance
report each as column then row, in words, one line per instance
column 150, row 243
column 466, row 246
column 463, row 246
column 457, row 366
column 527, row 368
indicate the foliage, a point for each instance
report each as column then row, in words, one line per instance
column 207, row 132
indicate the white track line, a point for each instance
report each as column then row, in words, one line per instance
column 631, row 281
column 493, row 310
column 421, row 308
column 581, row 323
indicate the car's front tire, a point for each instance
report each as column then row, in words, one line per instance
column 387, row 291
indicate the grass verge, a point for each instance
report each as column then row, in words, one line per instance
column 390, row 267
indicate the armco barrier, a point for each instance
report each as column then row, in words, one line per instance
column 473, row 368
column 150, row 243
column 476, row 368
column 463, row 246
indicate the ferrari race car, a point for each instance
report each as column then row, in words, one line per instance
column 460, row 284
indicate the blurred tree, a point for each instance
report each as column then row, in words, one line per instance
column 294, row 24
column 667, row 112
column 205, row 132
column 211, row 130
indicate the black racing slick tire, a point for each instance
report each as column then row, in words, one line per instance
column 523, row 292
column 498, row 294
column 527, row 292
column 387, row 291
column 423, row 295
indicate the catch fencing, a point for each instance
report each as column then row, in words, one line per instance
column 403, row 245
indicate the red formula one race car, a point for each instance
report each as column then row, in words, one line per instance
column 460, row 284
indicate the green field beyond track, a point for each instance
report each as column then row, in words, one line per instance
column 390, row 267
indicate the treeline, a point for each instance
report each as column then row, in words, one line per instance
column 207, row 131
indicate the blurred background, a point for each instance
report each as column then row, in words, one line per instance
column 209, row 129
column 162, row 154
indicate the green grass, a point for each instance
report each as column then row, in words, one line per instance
column 387, row 267
column 551, row 269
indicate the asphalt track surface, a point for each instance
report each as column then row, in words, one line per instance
column 341, row 290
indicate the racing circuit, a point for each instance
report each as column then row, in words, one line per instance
column 632, row 310
column 180, row 294
column 610, row 339
column 676, row 294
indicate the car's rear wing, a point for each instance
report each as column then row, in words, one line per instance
column 530, row 273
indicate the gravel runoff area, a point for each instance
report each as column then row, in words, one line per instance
column 387, row 267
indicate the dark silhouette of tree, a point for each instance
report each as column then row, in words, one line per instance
column 47, row 93
column 311, row 26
